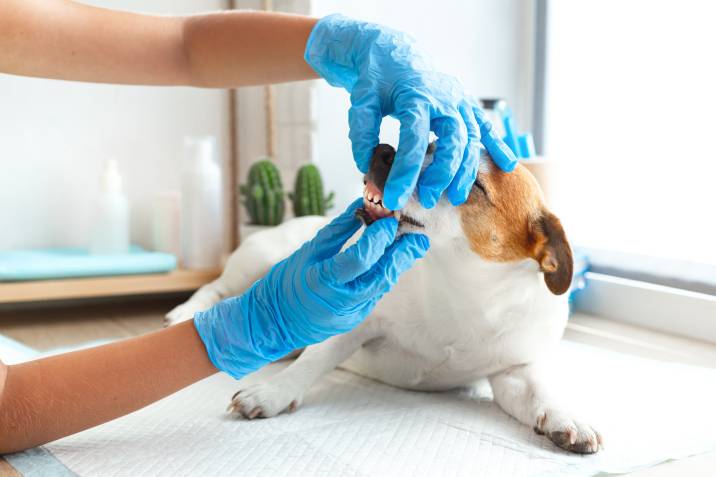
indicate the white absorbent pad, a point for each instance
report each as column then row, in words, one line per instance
column 647, row 411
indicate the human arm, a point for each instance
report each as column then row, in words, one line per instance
column 53, row 397
column 381, row 68
column 66, row 40
column 315, row 293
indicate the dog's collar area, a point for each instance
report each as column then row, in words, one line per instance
column 406, row 219
column 403, row 219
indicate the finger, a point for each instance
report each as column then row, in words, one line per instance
column 331, row 238
column 461, row 185
column 364, row 118
column 362, row 255
column 413, row 142
column 396, row 260
column 452, row 138
column 500, row 153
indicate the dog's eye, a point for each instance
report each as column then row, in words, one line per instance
column 482, row 189
column 479, row 185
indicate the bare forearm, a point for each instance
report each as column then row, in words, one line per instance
column 50, row 398
column 66, row 40
column 247, row 48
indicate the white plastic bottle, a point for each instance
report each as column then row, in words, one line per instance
column 110, row 228
column 201, row 216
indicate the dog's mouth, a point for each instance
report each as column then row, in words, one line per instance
column 373, row 208
column 373, row 202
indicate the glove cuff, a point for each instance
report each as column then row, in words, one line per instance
column 240, row 334
column 335, row 45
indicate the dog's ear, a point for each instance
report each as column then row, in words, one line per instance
column 553, row 253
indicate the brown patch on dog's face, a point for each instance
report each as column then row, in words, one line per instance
column 505, row 220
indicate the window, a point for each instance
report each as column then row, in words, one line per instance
column 629, row 124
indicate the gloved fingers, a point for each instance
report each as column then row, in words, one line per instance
column 452, row 139
column 362, row 255
column 461, row 185
column 501, row 154
column 331, row 238
column 413, row 143
column 364, row 118
column 397, row 259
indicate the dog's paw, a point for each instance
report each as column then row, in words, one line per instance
column 568, row 433
column 183, row 312
column 264, row 399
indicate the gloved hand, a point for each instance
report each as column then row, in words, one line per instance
column 312, row 295
column 387, row 75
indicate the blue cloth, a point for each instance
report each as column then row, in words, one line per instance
column 38, row 462
column 315, row 293
column 387, row 75
column 45, row 264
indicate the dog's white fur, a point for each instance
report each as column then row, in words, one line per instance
column 451, row 320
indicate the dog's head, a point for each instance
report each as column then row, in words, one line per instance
column 504, row 218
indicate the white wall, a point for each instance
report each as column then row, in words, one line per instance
column 485, row 43
column 54, row 137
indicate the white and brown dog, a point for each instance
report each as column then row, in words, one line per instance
column 487, row 301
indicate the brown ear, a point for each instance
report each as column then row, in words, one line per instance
column 554, row 255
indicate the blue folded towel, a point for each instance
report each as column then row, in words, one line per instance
column 45, row 264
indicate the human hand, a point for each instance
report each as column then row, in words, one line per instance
column 387, row 75
column 315, row 293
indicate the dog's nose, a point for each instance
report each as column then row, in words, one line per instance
column 387, row 158
column 385, row 153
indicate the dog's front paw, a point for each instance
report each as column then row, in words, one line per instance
column 183, row 312
column 568, row 433
column 264, row 399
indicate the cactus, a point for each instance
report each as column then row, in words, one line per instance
column 263, row 195
column 307, row 194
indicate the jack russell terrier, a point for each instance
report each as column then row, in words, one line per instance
column 487, row 301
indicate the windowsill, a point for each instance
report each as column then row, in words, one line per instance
column 639, row 341
column 672, row 311
column 629, row 339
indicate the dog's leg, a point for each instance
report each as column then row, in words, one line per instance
column 285, row 390
column 251, row 261
column 520, row 392
column 203, row 298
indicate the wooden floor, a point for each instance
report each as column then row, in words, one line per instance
column 67, row 325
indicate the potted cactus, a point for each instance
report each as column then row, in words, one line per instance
column 307, row 196
column 263, row 197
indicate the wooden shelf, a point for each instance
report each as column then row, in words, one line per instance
column 70, row 289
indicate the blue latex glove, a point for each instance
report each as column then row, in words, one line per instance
column 312, row 295
column 387, row 75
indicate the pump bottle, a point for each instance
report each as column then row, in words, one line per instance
column 110, row 228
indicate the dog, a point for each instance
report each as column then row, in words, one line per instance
column 487, row 301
